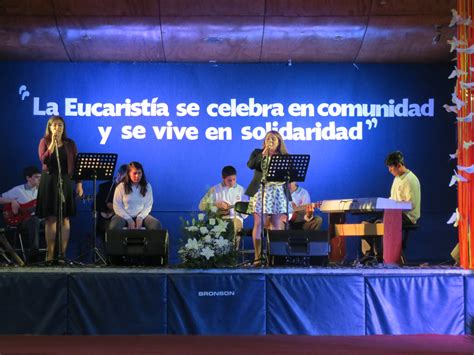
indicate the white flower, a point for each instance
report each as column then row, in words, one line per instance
column 221, row 242
column 207, row 253
column 220, row 228
column 206, row 239
column 213, row 209
column 192, row 244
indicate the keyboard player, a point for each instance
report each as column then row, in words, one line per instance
column 405, row 187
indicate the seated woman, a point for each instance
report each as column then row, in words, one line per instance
column 133, row 200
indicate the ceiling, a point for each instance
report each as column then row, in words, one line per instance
column 377, row 31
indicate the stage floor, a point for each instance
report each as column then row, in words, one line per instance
column 363, row 270
column 271, row 344
column 239, row 301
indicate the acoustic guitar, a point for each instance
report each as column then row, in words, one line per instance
column 25, row 211
column 316, row 206
column 302, row 208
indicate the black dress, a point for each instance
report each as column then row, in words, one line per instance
column 47, row 203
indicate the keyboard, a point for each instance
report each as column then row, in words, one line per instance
column 364, row 204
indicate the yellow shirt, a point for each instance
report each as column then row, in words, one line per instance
column 406, row 187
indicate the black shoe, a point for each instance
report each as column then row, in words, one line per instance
column 366, row 256
column 368, row 260
column 49, row 263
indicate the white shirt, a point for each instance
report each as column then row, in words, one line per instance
column 407, row 188
column 134, row 204
column 300, row 197
column 21, row 193
column 222, row 193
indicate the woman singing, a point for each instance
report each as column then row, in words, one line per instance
column 275, row 201
column 57, row 153
column 133, row 200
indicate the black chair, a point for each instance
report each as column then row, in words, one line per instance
column 16, row 239
column 242, row 208
column 5, row 247
column 406, row 229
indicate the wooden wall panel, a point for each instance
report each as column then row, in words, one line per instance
column 318, row 7
column 30, row 38
column 221, row 39
column 212, row 7
column 412, row 7
column 405, row 39
column 102, row 8
column 26, row 7
column 309, row 39
column 112, row 38
column 226, row 31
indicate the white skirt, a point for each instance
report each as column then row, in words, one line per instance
column 275, row 200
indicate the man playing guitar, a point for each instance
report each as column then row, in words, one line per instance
column 303, row 210
column 19, row 208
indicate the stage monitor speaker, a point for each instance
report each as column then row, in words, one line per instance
column 137, row 247
column 297, row 247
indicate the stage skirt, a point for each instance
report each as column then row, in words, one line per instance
column 47, row 204
column 275, row 200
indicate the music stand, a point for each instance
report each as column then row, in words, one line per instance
column 285, row 168
column 95, row 166
column 288, row 168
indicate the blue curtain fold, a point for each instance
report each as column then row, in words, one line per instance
column 469, row 298
column 117, row 303
column 315, row 304
column 411, row 304
column 33, row 303
column 216, row 304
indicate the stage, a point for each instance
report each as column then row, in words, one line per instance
column 242, row 301
column 230, row 345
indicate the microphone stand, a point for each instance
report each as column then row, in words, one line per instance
column 262, row 222
column 288, row 199
column 262, row 257
column 61, row 200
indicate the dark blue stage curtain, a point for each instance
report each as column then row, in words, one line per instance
column 415, row 304
column 216, row 304
column 33, row 303
column 117, row 303
column 469, row 286
column 315, row 304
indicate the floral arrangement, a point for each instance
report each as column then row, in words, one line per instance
column 208, row 242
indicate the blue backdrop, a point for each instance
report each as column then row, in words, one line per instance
column 139, row 111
